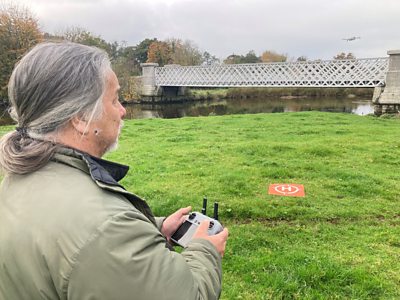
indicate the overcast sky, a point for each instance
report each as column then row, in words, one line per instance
column 311, row 28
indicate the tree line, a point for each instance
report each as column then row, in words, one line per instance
column 20, row 31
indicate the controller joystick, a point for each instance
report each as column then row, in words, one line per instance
column 211, row 225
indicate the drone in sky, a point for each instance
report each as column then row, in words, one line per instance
column 353, row 38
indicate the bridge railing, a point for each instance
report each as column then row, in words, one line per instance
column 369, row 72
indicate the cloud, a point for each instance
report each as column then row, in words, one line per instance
column 313, row 28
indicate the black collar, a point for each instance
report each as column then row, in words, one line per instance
column 104, row 170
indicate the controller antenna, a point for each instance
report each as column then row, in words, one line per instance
column 215, row 210
column 204, row 209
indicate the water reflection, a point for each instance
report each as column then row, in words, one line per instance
column 363, row 108
column 235, row 106
column 247, row 106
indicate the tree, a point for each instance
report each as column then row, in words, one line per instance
column 159, row 52
column 302, row 58
column 233, row 59
column 343, row 55
column 19, row 31
column 184, row 53
column 49, row 37
column 209, row 59
column 82, row 36
column 272, row 56
column 249, row 58
column 141, row 50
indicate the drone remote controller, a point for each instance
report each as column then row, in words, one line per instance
column 186, row 231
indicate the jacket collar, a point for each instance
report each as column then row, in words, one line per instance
column 101, row 170
column 104, row 170
column 105, row 173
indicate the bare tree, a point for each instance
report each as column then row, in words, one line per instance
column 184, row 53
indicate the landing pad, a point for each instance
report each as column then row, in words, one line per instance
column 287, row 189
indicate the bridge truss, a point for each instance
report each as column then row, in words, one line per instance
column 369, row 72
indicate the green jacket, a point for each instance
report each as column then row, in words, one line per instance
column 70, row 231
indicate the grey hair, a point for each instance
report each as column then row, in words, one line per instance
column 50, row 85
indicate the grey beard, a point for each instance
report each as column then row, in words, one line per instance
column 114, row 146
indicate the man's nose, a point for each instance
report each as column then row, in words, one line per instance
column 122, row 110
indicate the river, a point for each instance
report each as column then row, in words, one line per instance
column 247, row 106
column 237, row 106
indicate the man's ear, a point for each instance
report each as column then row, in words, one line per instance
column 79, row 125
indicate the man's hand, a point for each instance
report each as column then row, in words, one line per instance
column 218, row 240
column 175, row 220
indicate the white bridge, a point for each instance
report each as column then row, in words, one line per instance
column 369, row 72
column 165, row 83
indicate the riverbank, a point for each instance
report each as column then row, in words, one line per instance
column 278, row 92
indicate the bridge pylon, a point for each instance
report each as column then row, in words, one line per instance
column 149, row 89
column 152, row 92
column 387, row 99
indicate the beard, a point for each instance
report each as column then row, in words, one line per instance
column 114, row 146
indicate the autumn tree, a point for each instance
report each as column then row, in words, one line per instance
column 159, row 52
column 272, row 56
column 19, row 31
column 343, row 55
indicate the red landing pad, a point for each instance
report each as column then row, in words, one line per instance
column 287, row 189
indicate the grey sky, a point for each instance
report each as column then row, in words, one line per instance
column 313, row 28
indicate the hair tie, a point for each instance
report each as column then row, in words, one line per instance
column 22, row 130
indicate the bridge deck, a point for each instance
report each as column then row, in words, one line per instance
column 370, row 72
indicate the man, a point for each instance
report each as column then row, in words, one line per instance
column 68, row 229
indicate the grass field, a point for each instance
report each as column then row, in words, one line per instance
column 341, row 241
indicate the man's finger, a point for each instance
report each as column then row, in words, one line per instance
column 224, row 233
column 204, row 226
column 185, row 210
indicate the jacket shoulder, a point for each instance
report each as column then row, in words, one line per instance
column 63, row 208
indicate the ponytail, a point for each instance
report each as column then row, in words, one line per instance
column 21, row 154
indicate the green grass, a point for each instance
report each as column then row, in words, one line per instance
column 342, row 241
column 202, row 94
